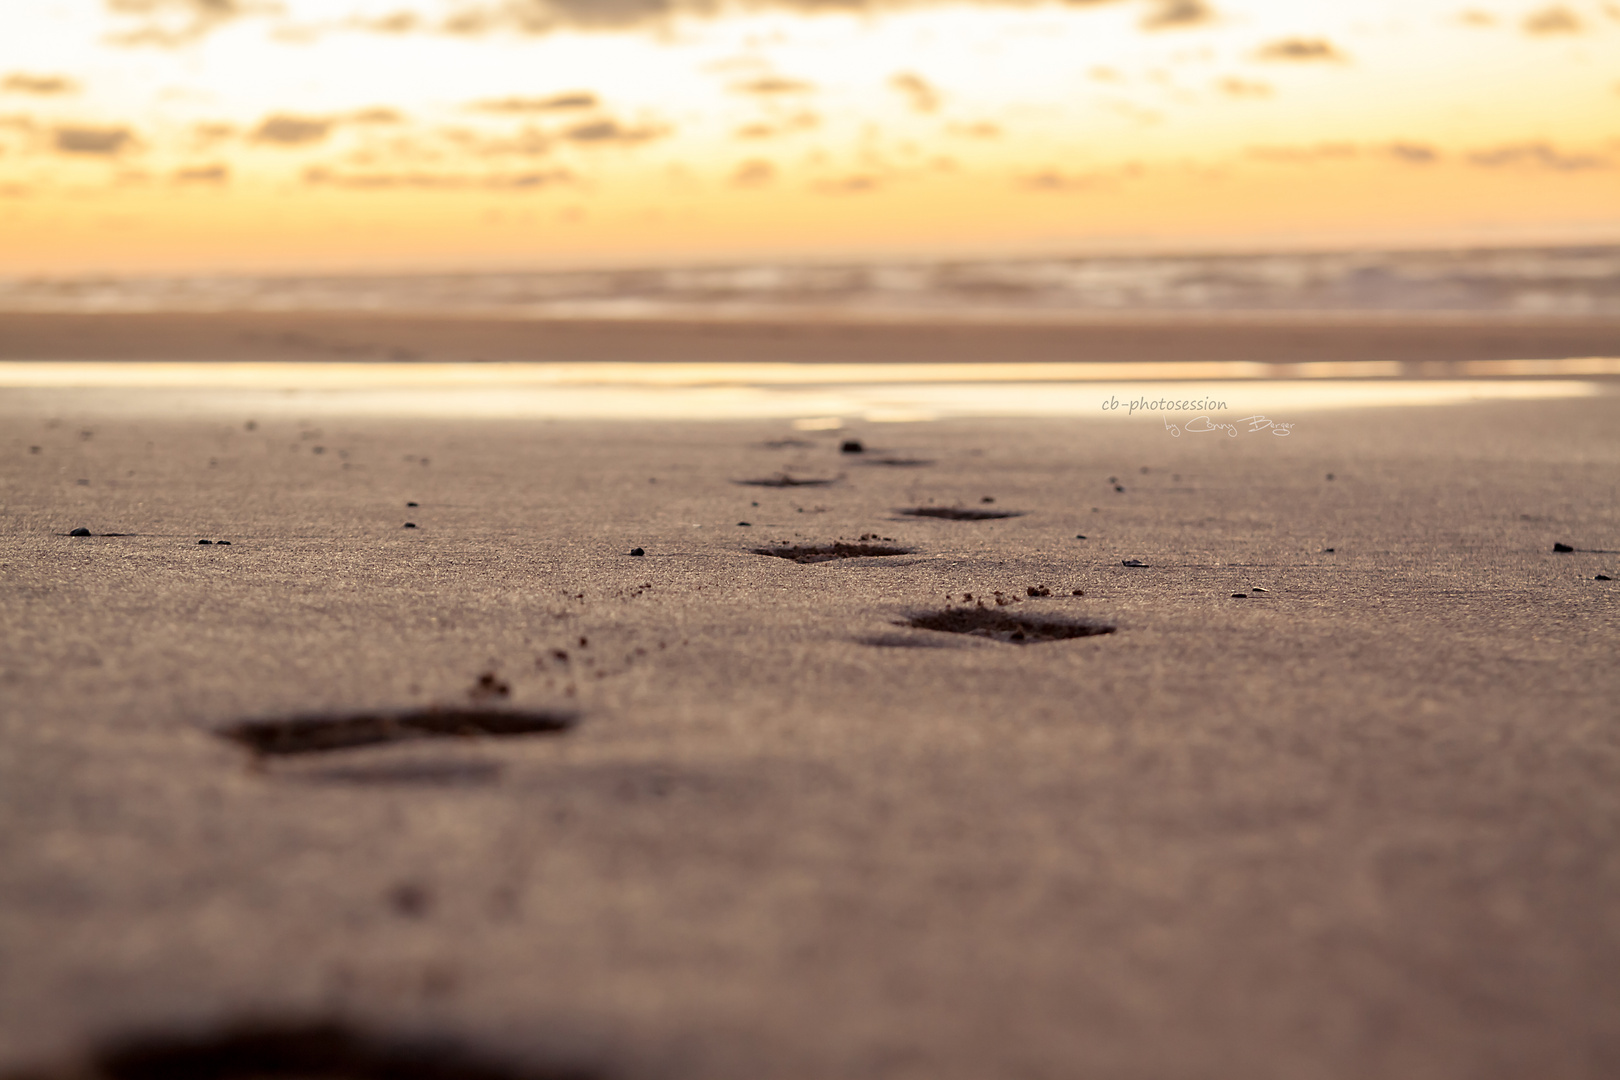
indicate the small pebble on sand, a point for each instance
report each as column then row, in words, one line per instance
column 852, row 446
column 637, row 551
column 80, row 532
column 1132, row 562
column 1562, row 547
column 409, row 525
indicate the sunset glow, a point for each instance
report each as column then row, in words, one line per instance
column 225, row 134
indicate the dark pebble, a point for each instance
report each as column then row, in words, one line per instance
column 410, row 525
column 637, row 551
column 205, row 541
column 1132, row 562
column 987, row 499
column 852, row 446
column 1079, row 536
column 1328, row 550
column 80, row 532
column 1603, row 577
column 412, row 504
column 1079, row 592
column 1119, row 487
column 1562, row 547
column 1330, row 476
column 224, row 543
column 1240, row 596
column 744, row 524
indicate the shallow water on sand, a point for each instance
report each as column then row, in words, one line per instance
column 818, row 392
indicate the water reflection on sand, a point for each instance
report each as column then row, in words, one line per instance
column 875, row 392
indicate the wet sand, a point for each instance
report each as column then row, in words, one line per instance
column 1418, row 339
column 1361, row 822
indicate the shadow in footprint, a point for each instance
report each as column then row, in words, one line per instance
column 832, row 552
column 999, row 625
column 897, row 462
column 317, row 734
column 257, row 1050
column 957, row 513
column 783, row 481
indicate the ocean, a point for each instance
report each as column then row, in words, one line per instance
column 1541, row 281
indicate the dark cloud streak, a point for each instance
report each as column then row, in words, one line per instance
column 19, row 82
column 1553, row 20
column 1178, row 15
column 286, row 130
column 556, row 103
column 1537, row 155
column 94, row 141
column 1301, row 50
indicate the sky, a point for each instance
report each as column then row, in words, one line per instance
column 185, row 136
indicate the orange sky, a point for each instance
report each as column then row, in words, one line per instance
column 173, row 135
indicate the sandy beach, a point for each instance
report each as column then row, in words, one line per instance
column 1358, row 822
column 1428, row 341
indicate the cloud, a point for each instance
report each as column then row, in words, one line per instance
column 1407, row 153
column 982, row 129
column 376, row 115
column 1177, row 15
column 170, row 23
column 610, row 131
column 787, row 125
column 753, row 174
column 1536, row 155
column 772, row 85
column 858, row 184
column 1056, row 180
column 1552, row 20
column 918, row 92
column 530, row 142
column 22, row 83
column 202, row 174
column 1476, row 18
column 578, row 99
column 545, row 16
column 1301, row 50
column 398, row 22
column 382, row 181
column 285, row 130
column 98, row 141
column 1243, row 88
column 1412, row 153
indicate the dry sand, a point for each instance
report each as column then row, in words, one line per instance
column 1361, row 824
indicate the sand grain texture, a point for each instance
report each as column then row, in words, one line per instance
column 1364, row 824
